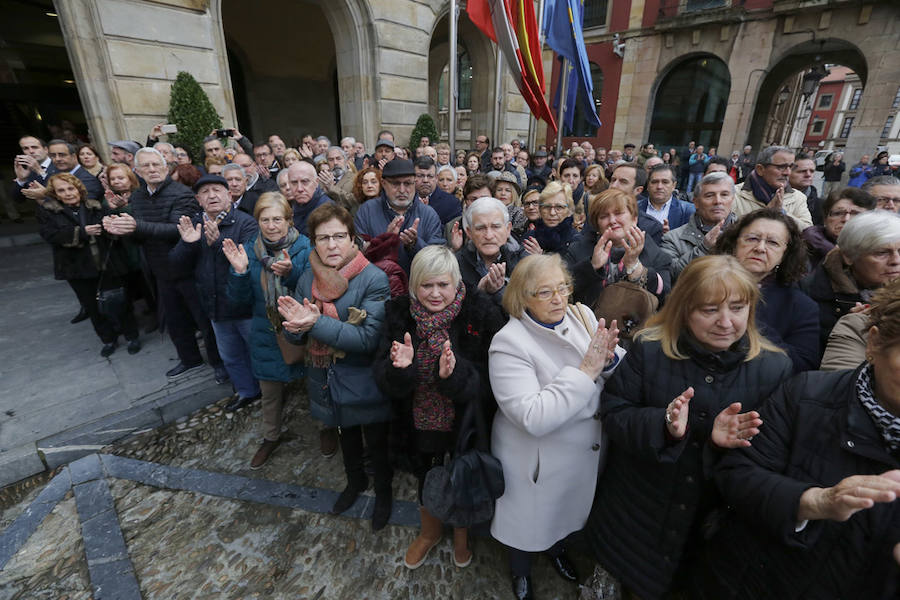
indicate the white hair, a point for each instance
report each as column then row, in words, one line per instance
column 483, row 206
column 868, row 233
column 152, row 151
column 447, row 168
column 234, row 167
column 349, row 139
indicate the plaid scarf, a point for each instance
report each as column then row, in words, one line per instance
column 886, row 423
column 268, row 253
column 432, row 411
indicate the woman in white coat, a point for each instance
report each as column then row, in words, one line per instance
column 547, row 368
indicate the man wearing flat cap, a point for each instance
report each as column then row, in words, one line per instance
column 123, row 151
column 199, row 255
column 398, row 210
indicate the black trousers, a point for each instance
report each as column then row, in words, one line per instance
column 520, row 560
column 107, row 330
column 182, row 312
column 376, row 440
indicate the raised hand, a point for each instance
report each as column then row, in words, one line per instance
column 122, row 224
column 665, row 226
column 495, row 279
column 709, row 240
column 298, row 317
column 93, row 229
column 395, row 225
column 777, row 202
column 402, row 354
column 634, row 245
column 114, row 200
column 282, row 268
column 601, row 252
column 733, row 429
column 211, row 231
column 532, row 246
column 410, row 235
column 598, row 352
column 189, row 233
column 326, row 179
column 849, row 496
column 677, row 414
column 456, row 237
column 447, row 362
column 34, row 191
column 236, row 255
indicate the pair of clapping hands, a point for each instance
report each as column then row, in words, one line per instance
column 402, row 355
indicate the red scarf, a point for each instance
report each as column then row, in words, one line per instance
column 329, row 284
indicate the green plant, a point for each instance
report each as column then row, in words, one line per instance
column 425, row 127
column 193, row 113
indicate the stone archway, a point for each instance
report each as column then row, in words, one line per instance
column 797, row 59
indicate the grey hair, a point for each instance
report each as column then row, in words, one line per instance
column 322, row 137
column 281, row 173
column 350, row 139
column 234, row 167
column 880, row 180
column 483, row 206
column 868, row 232
column 432, row 261
column 448, row 168
column 71, row 148
column 158, row 144
column 715, row 177
column 153, row 151
column 339, row 149
column 765, row 156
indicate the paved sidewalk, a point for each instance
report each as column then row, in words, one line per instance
column 59, row 399
column 176, row 513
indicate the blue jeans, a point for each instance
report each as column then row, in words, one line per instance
column 693, row 180
column 233, row 341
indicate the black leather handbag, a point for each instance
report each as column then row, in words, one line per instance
column 111, row 303
column 463, row 492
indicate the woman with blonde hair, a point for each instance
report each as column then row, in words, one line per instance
column 690, row 384
column 547, row 366
column 555, row 230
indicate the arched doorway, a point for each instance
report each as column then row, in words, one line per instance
column 690, row 103
column 803, row 117
column 475, row 77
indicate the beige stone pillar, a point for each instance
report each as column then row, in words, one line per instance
column 640, row 66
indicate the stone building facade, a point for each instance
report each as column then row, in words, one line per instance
column 353, row 67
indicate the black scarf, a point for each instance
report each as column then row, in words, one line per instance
column 554, row 239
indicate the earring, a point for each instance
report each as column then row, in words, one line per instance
column 869, row 358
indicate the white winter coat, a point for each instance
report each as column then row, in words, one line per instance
column 547, row 431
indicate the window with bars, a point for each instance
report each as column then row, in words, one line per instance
column 463, row 82
column 854, row 101
column 896, row 102
column 846, row 126
column 887, row 127
column 595, row 13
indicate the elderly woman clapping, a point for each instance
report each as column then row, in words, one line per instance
column 547, row 368
column 867, row 257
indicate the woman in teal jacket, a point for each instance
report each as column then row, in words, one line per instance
column 262, row 270
column 338, row 310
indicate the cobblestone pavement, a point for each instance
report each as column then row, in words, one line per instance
column 176, row 513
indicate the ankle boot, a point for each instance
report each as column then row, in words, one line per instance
column 425, row 541
column 462, row 556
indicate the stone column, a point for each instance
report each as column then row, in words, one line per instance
column 639, row 72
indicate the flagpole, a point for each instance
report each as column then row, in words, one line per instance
column 453, row 96
column 563, row 93
column 533, row 121
column 498, row 89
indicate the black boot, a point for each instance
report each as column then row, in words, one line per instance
column 350, row 439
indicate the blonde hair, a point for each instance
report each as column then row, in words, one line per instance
column 609, row 200
column 521, row 284
column 556, row 187
column 432, row 261
column 272, row 200
column 706, row 280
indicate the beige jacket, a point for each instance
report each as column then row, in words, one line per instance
column 846, row 347
column 794, row 205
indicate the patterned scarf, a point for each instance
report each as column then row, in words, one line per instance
column 432, row 411
column 886, row 423
column 268, row 253
column 329, row 284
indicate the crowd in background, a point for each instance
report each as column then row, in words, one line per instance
column 690, row 359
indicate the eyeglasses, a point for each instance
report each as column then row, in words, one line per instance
column 337, row 237
column 547, row 293
column 754, row 240
column 782, row 167
column 840, row 214
column 883, row 201
column 531, row 203
column 554, row 207
column 181, row 154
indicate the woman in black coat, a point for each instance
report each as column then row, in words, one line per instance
column 669, row 410
column 430, row 401
column 613, row 249
column 556, row 229
column 83, row 254
column 813, row 502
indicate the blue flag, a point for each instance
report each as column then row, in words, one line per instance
column 563, row 30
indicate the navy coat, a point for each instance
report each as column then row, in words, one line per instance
column 680, row 212
column 245, row 289
column 789, row 319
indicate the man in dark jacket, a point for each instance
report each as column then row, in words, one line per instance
column 446, row 206
column 157, row 207
column 488, row 258
column 661, row 203
column 539, row 166
column 801, row 179
column 242, row 198
column 64, row 159
column 199, row 254
column 631, row 179
column 306, row 193
column 832, row 172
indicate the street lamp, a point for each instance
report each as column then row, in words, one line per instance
column 811, row 80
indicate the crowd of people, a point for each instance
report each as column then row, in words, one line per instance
column 692, row 360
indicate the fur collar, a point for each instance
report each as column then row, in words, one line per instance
column 842, row 281
column 55, row 206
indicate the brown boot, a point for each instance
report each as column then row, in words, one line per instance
column 425, row 541
column 262, row 455
column 462, row 556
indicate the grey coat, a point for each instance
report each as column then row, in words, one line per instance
column 683, row 245
column 345, row 394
